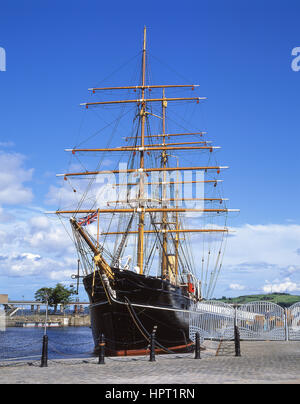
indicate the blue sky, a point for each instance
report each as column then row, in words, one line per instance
column 240, row 54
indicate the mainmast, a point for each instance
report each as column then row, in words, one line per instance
column 140, row 252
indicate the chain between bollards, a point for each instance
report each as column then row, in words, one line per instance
column 197, row 346
column 44, row 358
column 101, row 350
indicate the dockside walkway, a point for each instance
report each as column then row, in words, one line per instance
column 261, row 362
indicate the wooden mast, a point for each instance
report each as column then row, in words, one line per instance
column 142, row 170
column 170, row 135
column 143, row 100
column 214, row 182
column 164, row 157
column 140, row 249
column 170, row 199
column 177, row 229
column 147, row 148
column 149, row 87
column 145, row 210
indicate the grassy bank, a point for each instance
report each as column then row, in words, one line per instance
column 282, row 299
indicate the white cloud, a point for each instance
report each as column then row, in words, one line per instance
column 39, row 222
column 12, row 177
column 26, row 256
column 6, row 144
column 236, row 286
column 272, row 244
column 63, row 274
column 36, row 245
column 45, row 267
column 258, row 252
column 291, row 269
column 88, row 193
column 32, row 244
column 253, row 254
column 282, row 287
column 49, row 236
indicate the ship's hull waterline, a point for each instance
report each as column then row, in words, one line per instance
column 135, row 306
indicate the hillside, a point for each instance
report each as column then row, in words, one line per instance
column 282, row 299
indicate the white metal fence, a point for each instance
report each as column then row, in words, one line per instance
column 293, row 322
column 212, row 319
column 260, row 320
column 2, row 319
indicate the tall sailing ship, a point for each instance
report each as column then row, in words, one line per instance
column 144, row 264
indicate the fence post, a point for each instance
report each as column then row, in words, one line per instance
column 101, row 350
column 44, row 358
column 237, row 342
column 286, row 324
column 197, row 347
column 235, row 315
column 152, row 347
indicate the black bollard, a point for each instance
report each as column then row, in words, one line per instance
column 197, row 347
column 101, row 350
column 152, row 347
column 44, row 359
column 237, row 341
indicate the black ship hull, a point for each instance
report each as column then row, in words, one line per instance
column 128, row 310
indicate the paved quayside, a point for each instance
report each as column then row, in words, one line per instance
column 261, row 362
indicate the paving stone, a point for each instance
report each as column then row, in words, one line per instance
column 262, row 362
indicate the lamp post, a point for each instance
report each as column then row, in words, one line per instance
column 44, row 359
column 46, row 317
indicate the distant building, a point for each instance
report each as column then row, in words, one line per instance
column 3, row 299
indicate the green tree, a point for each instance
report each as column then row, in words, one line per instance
column 43, row 294
column 55, row 296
